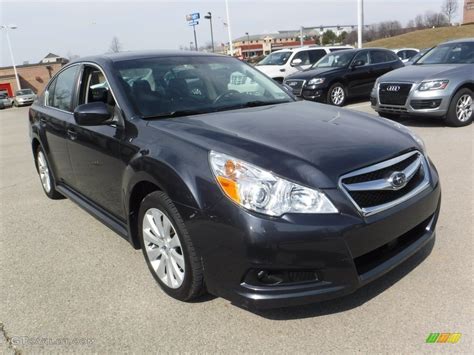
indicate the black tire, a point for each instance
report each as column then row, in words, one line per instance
column 52, row 193
column 390, row 116
column 15, row 103
column 452, row 118
column 333, row 98
column 193, row 282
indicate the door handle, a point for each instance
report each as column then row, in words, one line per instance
column 43, row 121
column 72, row 134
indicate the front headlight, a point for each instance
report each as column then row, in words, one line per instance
column 316, row 81
column 261, row 191
column 433, row 85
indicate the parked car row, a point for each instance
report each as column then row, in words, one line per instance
column 438, row 82
column 24, row 97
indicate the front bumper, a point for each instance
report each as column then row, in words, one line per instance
column 418, row 103
column 25, row 102
column 344, row 251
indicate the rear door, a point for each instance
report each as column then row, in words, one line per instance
column 95, row 151
column 55, row 116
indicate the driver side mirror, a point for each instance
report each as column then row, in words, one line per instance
column 295, row 62
column 92, row 114
column 358, row 63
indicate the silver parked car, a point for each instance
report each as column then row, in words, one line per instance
column 5, row 101
column 440, row 84
column 24, row 97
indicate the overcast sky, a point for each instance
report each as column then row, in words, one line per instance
column 83, row 28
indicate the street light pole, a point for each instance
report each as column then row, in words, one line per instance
column 360, row 22
column 231, row 45
column 195, row 38
column 7, row 28
column 209, row 17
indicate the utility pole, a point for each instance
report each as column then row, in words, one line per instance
column 301, row 37
column 209, row 17
column 195, row 38
column 8, row 28
column 360, row 22
column 231, row 45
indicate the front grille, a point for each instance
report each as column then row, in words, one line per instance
column 425, row 104
column 394, row 94
column 296, row 86
column 393, row 109
column 386, row 184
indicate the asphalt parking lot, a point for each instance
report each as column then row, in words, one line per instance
column 69, row 280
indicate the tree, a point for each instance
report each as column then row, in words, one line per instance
column 435, row 19
column 329, row 37
column 420, row 22
column 115, row 45
column 450, row 8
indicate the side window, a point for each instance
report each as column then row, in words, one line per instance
column 94, row 87
column 377, row 57
column 304, row 56
column 49, row 94
column 362, row 56
column 316, row 55
column 62, row 94
column 410, row 53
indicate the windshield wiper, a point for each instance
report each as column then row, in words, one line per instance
column 255, row 103
column 177, row 113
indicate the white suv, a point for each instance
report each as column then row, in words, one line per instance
column 278, row 65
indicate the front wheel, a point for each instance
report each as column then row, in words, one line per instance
column 337, row 95
column 168, row 249
column 460, row 109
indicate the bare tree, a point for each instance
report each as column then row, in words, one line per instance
column 115, row 45
column 419, row 22
column 435, row 19
column 450, row 8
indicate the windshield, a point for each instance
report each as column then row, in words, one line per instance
column 335, row 60
column 276, row 58
column 186, row 85
column 451, row 53
column 24, row 92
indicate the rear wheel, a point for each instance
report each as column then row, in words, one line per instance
column 337, row 95
column 47, row 179
column 460, row 111
column 168, row 249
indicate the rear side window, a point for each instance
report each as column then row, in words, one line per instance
column 377, row 57
column 316, row 55
column 60, row 91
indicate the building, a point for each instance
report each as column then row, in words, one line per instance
column 53, row 58
column 263, row 44
column 468, row 16
column 31, row 76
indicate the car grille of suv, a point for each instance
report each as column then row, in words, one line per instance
column 394, row 94
column 386, row 184
column 296, row 86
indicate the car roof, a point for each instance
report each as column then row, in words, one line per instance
column 305, row 48
column 133, row 55
column 461, row 40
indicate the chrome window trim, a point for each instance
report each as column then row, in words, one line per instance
column 368, row 211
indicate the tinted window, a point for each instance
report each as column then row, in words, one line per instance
column 410, row 53
column 61, row 90
column 335, row 60
column 276, row 58
column 95, row 87
column 363, row 56
column 160, row 86
column 316, row 55
column 377, row 57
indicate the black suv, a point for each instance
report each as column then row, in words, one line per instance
column 227, row 183
column 344, row 74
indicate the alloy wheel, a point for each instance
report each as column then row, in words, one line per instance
column 464, row 108
column 337, row 95
column 43, row 171
column 163, row 248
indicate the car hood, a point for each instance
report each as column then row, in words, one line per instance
column 418, row 73
column 307, row 142
column 313, row 73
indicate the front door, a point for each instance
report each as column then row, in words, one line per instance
column 95, row 150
